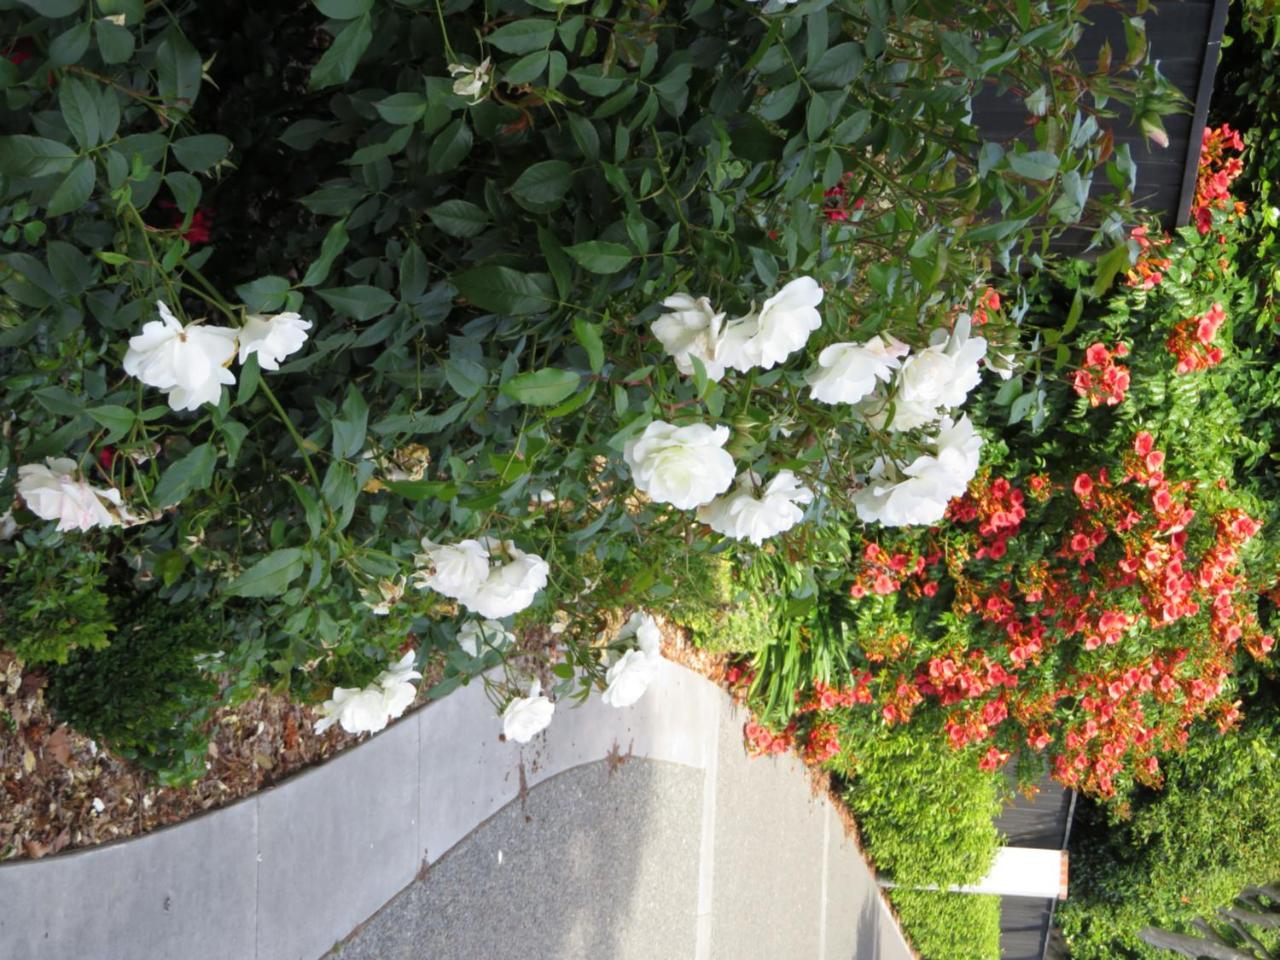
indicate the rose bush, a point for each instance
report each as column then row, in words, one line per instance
column 490, row 298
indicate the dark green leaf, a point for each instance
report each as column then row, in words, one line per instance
column 523, row 36
column 600, row 256
column 202, row 151
column 74, row 192
column 264, row 295
column 350, row 425
column 335, row 241
column 67, row 48
column 1035, row 165
column 449, row 147
column 54, row 8
column 192, row 472
column 541, row 187
column 24, row 156
column 542, row 388
column 115, row 43
column 117, row 419
column 837, row 67
column 343, row 9
column 505, row 291
column 359, row 302
column 459, row 218
column 402, row 108
column 343, row 55
column 270, row 576
column 178, row 69
column 80, row 111
column 588, row 334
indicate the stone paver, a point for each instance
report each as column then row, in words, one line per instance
column 335, row 851
column 187, row 892
column 768, row 867
column 594, row 863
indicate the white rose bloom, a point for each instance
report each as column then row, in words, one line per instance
column 189, row 362
column 526, row 717
column 901, row 499
column 357, row 710
column 396, row 683
column 272, row 338
column 907, row 415
column 691, row 329
column 942, row 375
column 510, row 588
column 471, row 81
column 959, row 453
column 744, row 516
column 848, row 372
column 53, row 491
column 683, row 466
column 781, row 327
column 644, row 629
column 629, row 678
column 454, row 570
column 8, row 526
column 475, row 636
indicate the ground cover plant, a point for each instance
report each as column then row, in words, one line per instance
column 388, row 331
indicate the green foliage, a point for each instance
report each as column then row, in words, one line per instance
column 150, row 694
column 926, row 811
column 1183, row 852
column 725, row 601
column 54, row 603
column 949, row 926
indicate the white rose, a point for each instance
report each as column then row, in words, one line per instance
column 510, row 588
column 629, row 678
column 53, row 491
column 683, row 466
column 396, row 683
column 8, row 526
column 744, row 516
column 901, row 499
column 454, row 570
column 848, row 372
column 630, row 674
column 189, row 362
column 526, row 717
column 357, row 710
column 644, row 629
column 959, row 453
column 691, row 329
column 942, row 375
column 782, row 327
column 272, row 338
column 471, row 81
column 475, row 636
column 907, row 415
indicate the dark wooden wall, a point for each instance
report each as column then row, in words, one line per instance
column 1044, row 822
column 1184, row 36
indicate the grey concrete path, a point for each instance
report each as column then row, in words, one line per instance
column 639, row 833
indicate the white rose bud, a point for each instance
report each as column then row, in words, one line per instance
column 691, row 328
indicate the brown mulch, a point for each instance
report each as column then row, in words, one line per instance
column 59, row 790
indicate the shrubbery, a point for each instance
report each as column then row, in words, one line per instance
column 950, row 926
column 150, row 694
column 54, row 603
column 411, row 261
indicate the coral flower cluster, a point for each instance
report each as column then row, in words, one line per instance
column 1191, row 341
column 1102, row 380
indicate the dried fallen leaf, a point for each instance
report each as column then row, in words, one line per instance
column 59, row 745
column 28, row 761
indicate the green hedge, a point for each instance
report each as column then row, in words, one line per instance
column 950, row 926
